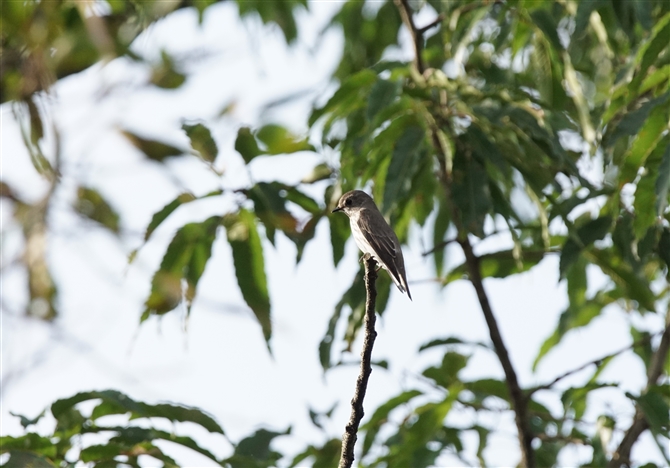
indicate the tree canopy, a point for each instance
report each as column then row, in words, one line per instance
column 508, row 133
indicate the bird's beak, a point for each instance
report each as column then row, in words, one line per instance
column 336, row 210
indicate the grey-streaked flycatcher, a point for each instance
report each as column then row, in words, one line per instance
column 374, row 236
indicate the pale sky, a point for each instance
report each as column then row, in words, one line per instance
column 220, row 363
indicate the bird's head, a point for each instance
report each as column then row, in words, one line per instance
column 354, row 201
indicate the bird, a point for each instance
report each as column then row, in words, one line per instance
column 373, row 235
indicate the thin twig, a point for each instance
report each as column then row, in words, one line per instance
column 432, row 24
column 595, row 362
column 439, row 246
column 519, row 402
column 351, row 431
column 621, row 455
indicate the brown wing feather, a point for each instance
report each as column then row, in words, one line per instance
column 384, row 243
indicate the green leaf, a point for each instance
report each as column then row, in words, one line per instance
column 584, row 236
column 165, row 75
column 382, row 94
column 470, row 191
column 339, row 227
column 320, row 172
column 452, row 340
column 246, row 144
column 579, row 313
column 184, row 260
column 91, row 204
column 154, row 150
column 250, row 266
column 636, row 287
column 547, row 24
column 484, row 388
column 279, row 140
column 652, row 189
column 380, row 417
column 202, row 141
column 650, row 51
column 282, row 13
column 632, row 122
column 30, row 441
column 161, row 215
column 254, row 451
column 655, row 408
column 354, row 298
column 645, row 142
column 404, row 164
column 663, row 180
column 24, row 459
column 498, row 265
column 447, row 373
column 575, row 398
column 25, row 422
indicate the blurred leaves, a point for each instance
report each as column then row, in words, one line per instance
column 268, row 140
column 92, row 205
column 152, row 149
column 183, row 264
column 202, row 141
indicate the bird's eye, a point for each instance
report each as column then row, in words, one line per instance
column 348, row 202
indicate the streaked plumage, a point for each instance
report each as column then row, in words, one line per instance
column 374, row 236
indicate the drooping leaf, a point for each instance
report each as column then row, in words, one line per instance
column 183, row 264
column 381, row 95
column 654, row 404
column 246, row 144
column 447, row 373
column 154, row 150
column 91, row 204
column 254, row 451
column 584, row 236
column 498, row 265
column 202, row 141
column 165, row 74
column 250, row 266
column 403, row 165
column 278, row 140
column 380, row 417
column 470, row 191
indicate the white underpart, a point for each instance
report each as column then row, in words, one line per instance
column 360, row 239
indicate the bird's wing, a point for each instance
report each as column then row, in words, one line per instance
column 382, row 241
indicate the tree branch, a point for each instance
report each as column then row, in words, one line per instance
column 351, row 431
column 621, row 456
column 519, row 402
column 595, row 362
column 416, row 33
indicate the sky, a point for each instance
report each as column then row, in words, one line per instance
column 217, row 360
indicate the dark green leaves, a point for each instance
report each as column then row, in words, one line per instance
column 403, row 165
column 268, row 140
column 255, row 452
column 182, row 266
column 584, row 236
column 250, row 266
column 154, row 150
column 246, row 144
column 92, row 205
column 202, row 141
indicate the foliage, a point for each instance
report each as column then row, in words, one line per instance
column 485, row 132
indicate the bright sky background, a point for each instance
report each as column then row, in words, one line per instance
column 220, row 364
